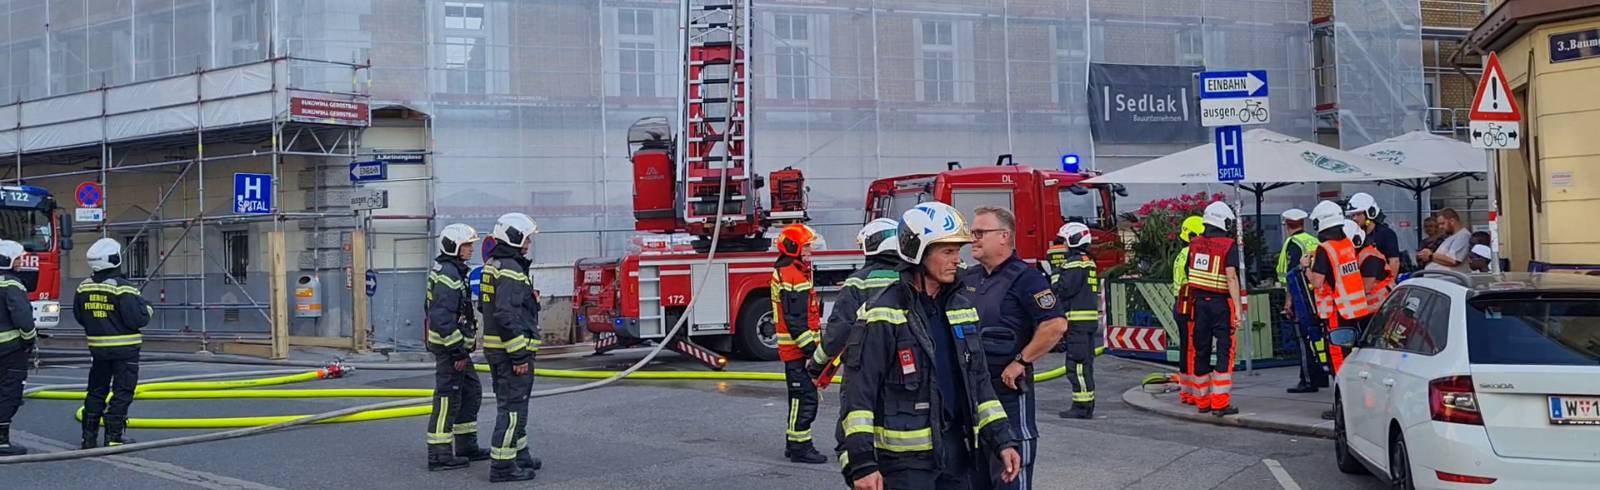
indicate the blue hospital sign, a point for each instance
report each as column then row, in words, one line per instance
column 252, row 194
column 1230, row 153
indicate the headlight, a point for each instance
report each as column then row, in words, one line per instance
column 52, row 308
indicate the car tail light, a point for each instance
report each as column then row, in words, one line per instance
column 1454, row 478
column 1452, row 399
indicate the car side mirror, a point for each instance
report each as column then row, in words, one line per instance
column 1077, row 190
column 64, row 230
column 1343, row 337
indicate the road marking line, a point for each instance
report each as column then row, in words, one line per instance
column 1284, row 480
column 157, row 469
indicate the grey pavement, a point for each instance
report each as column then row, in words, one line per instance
column 1262, row 401
column 650, row 435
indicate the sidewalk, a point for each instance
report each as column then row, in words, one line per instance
column 1261, row 400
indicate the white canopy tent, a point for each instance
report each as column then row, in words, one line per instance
column 1447, row 159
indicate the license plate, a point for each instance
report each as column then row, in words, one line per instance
column 1575, row 410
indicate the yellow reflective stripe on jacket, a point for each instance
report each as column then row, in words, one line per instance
column 7, row 283
column 806, row 338
column 965, row 315
column 885, row 314
column 869, row 283
column 1079, row 264
column 857, row 422
column 107, row 288
column 515, row 344
column 988, row 412
column 445, row 280
column 491, row 271
column 1083, row 315
column 449, row 340
column 1180, row 269
column 903, row 441
column 115, row 340
column 10, row 335
column 804, row 286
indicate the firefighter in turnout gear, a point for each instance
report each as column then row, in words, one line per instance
column 510, row 340
column 799, row 325
column 1376, row 276
column 1192, row 227
column 111, row 312
column 1292, row 266
column 452, row 336
column 1336, row 277
column 16, row 343
column 1079, row 289
column 878, row 242
column 1215, row 310
column 917, row 395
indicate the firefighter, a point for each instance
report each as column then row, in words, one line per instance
column 1298, row 245
column 111, row 312
column 16, row 343
column 1335, row 276
column 1363, row 209
column 510, row 341
column 1192, row 227
column 1376, row 278
column 452, row 336
column 1215, row 310
column 917, row 398
column 799, row 323
column 877, row 241
column 1079, row 290
column 1020, row 322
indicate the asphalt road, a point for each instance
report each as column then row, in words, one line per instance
column 648, row 435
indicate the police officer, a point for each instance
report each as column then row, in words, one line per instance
column 799, row 323
column 1297, row 245
column 1079, row 288
column 879, row 243
column 1213, row 272
column 1192, row 227
column 1020, row 321
column 111, row 312
column 917, row 396
column 16, row 343
column 510, row 340
column 452, row 336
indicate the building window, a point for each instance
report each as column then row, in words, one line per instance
column 136, row 256
column 636, row 52
column 793, row 56
column 1070, row 60
column 938, row 59
column 464, row 66
column 463, row 15
column 236, row 247
column 1191, row 46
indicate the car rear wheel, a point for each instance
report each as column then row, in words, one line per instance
column 756, row 338
column 1400, row 463
column 1341, row 443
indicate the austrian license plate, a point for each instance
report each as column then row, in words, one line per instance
column 1575, row 410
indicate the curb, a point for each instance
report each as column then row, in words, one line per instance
column 1138, row 398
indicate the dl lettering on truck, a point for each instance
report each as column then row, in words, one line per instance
column 1144, row 104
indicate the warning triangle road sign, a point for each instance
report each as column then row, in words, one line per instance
column 1494, row 101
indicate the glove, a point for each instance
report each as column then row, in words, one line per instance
column 813, row 369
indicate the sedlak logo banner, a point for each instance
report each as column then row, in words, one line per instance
column 1144, row 104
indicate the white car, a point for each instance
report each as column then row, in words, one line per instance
column 1476, row 382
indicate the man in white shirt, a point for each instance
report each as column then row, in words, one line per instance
column 1452, row 253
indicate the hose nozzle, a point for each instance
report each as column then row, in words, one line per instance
column 337, row 369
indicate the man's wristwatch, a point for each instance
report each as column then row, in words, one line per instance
column 1023, row 362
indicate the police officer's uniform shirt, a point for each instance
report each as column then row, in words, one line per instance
column 1232, row 259
column 1029, row 301
column 1322, row 263
column 944, row 356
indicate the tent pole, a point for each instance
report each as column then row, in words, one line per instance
column 1418, row 194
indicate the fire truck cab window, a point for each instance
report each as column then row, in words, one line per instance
column 30, row 227
column 968, row 200
column 1084, row 208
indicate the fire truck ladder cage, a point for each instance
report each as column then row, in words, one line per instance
column 714, row 113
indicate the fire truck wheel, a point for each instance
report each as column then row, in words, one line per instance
column 755, row 337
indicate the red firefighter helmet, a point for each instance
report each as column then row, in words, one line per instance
column 793, row 239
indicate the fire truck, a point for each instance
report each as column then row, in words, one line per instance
column 29, row 215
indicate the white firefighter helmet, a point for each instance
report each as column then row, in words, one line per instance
column 1218, row 214
column 104, row 254
column 1326, row 216
column 878, row 237
column 1074, row 234
column 929, row 223
column 514, row 229
column 10, row 253
column 1362, row 202
column 1354, row 233
column 455, row 236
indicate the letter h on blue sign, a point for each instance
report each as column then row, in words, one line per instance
column 1230, row 153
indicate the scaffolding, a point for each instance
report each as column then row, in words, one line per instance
column 253, row 114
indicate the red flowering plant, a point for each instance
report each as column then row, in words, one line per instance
column 1155, row 227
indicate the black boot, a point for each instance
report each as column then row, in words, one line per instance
column 1079, row 411
column 114, row 430
column 803, row 452
column 525, row 459
column 507, row 470
column 440, row 459
column 91, row 433
column 6, row 447
column 1224, row 411
column 1302, row 388
column 467, row 447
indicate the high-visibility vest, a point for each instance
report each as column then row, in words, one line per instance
column 1348, row 296
column 1380, row 289
column 1207, row 259
column 1307, row 244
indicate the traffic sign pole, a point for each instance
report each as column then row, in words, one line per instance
column 1496, row 122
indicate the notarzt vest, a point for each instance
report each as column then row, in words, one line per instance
column 1347, row 297
column 1208, row 257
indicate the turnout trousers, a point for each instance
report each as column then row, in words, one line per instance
column 13, row 371
column 1213, row 336
column 802, row 402
column 115, row 371
column 1080, row 362
column 456, row 399
column 511, row 409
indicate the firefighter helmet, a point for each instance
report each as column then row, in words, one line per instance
column 1355, row 234
column 793, row 239
column 1218, row 214
column 1074, row 234
column 929, row 223
column 104, row 254
column 514, row 229
column 455, row 236
column 878, row 237
column 1362, row 202
column 10, row 252
column 1326, row 216
column 1192, row 227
